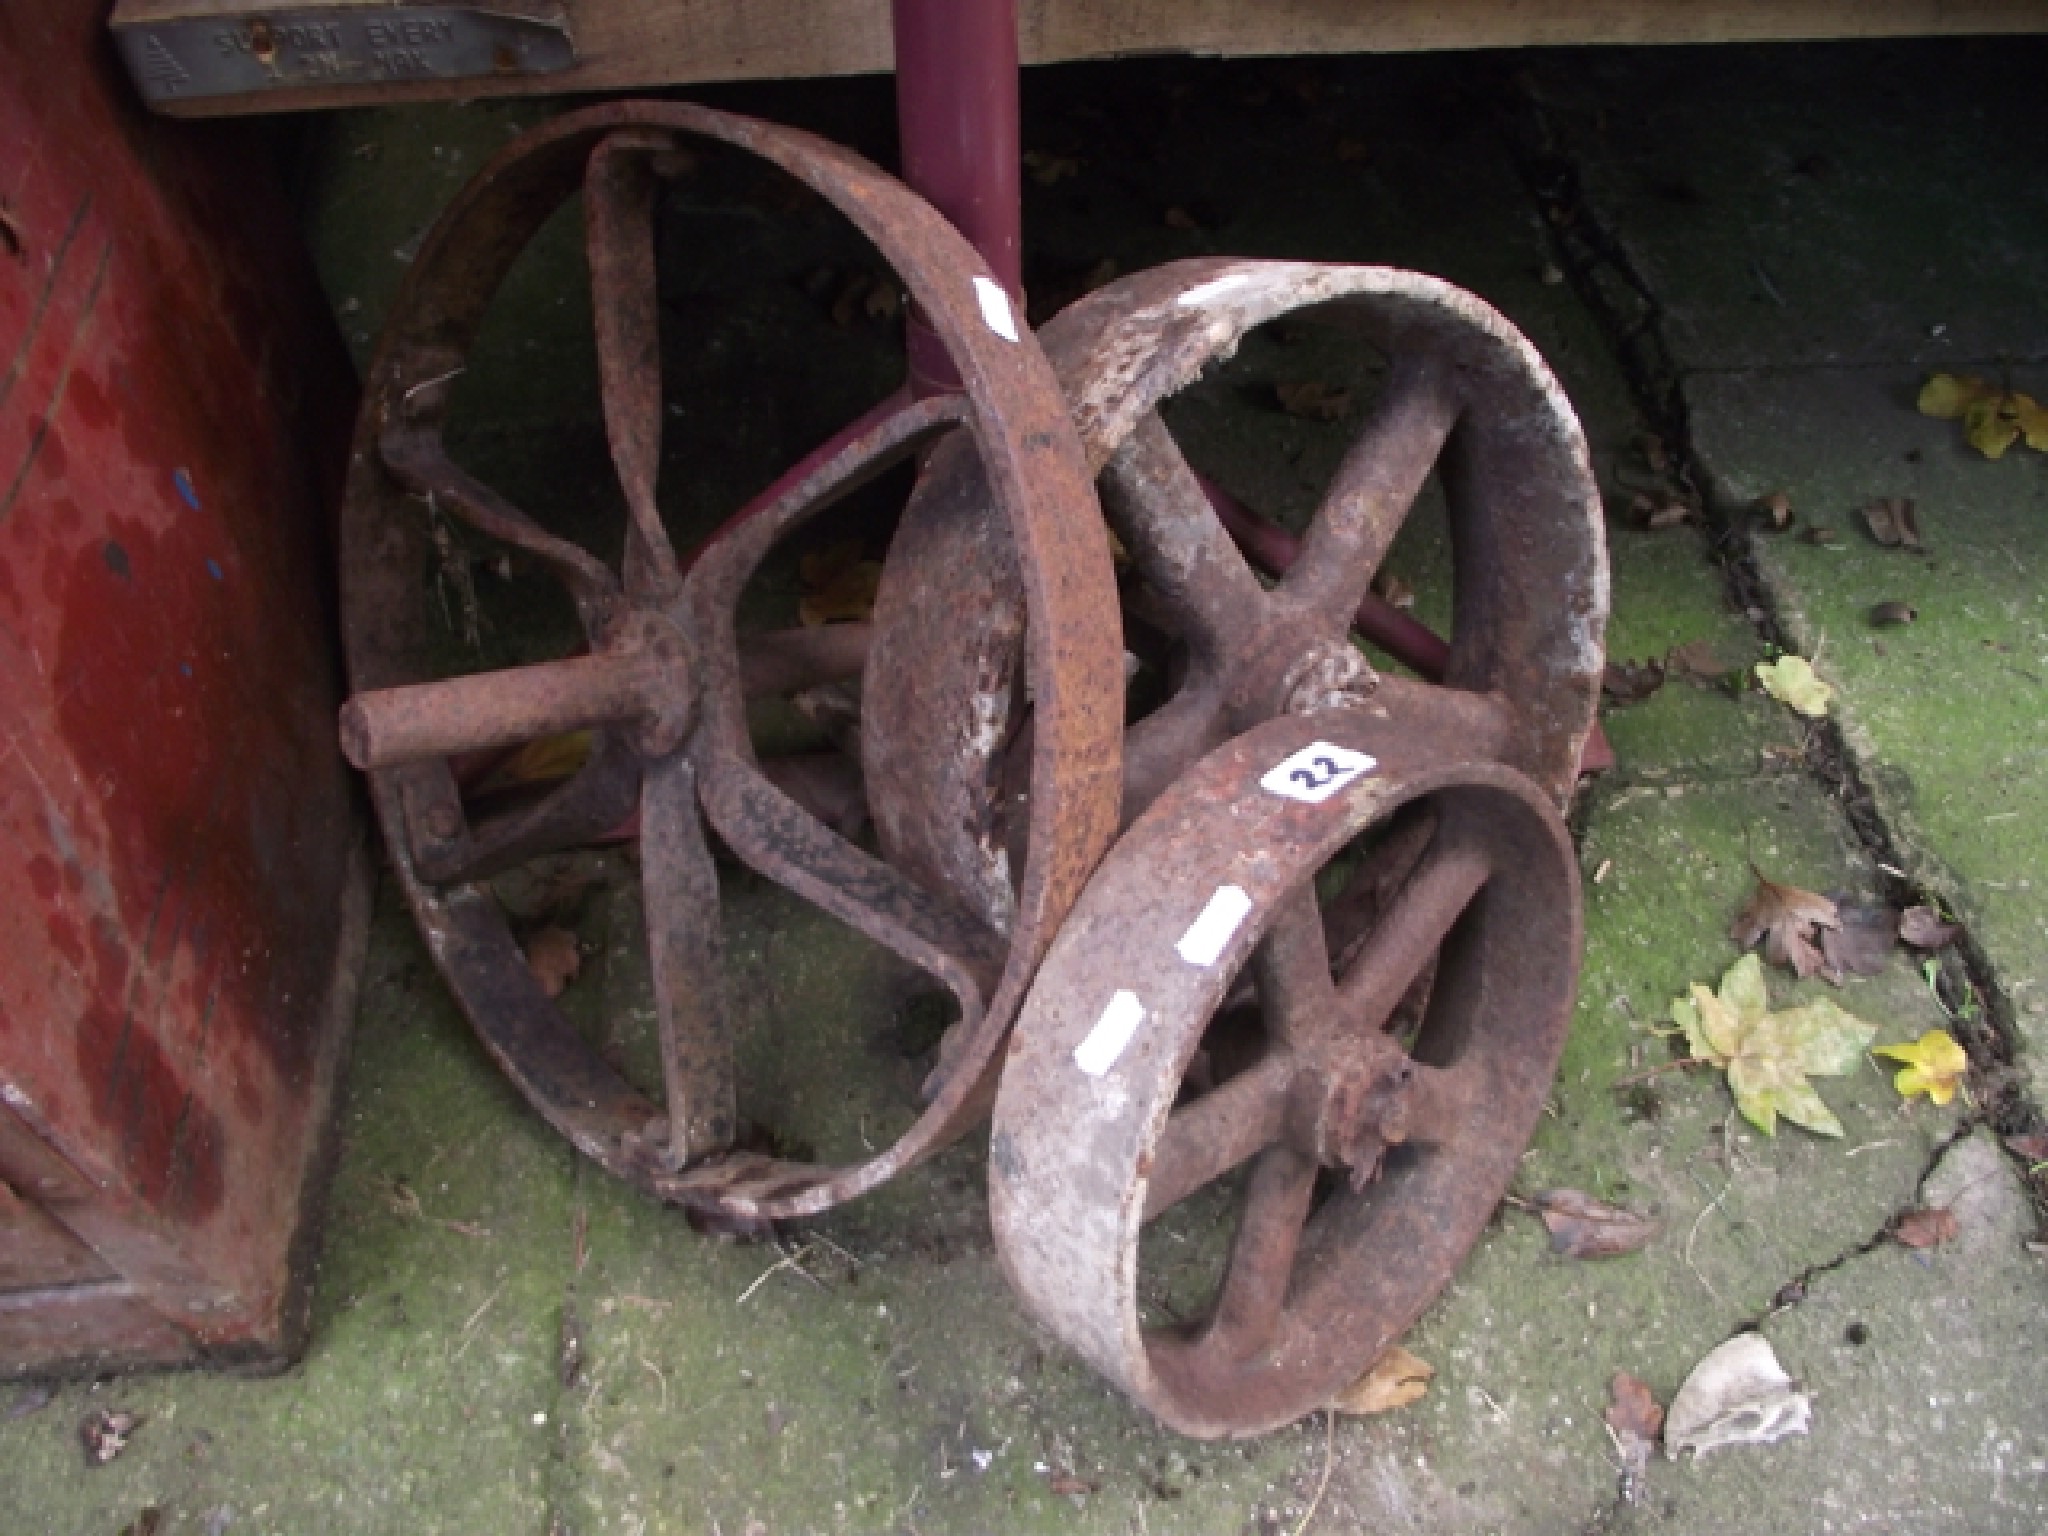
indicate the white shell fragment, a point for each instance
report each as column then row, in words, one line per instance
column 1737, row 1395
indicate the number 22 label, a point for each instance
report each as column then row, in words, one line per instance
column 1316, row 772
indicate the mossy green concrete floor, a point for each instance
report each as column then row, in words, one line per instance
column 507, row 1342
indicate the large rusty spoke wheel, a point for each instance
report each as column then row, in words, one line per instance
column 1467, row 399
column 1361, row 1147
column 663, row 673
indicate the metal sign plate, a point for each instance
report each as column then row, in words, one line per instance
column 227, row 55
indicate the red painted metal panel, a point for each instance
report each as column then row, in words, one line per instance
column 177, row 835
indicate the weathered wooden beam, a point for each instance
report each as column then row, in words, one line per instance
column 205, row 57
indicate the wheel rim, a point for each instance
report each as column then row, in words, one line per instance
column 1088, row 1144
column 1470, row 399
column 664, row 680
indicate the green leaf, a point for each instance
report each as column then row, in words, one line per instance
column 1790, row 681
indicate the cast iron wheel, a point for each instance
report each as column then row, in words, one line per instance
column 1371, row 1156
column 663, row 679
column 1468, row 398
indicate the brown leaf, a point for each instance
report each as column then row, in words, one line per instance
column 1776, row 509
column 1923, row 928
column 1787, row 919
column 2031, row 1145
column 1630, row 682
column 1822, row 536
column 837, row 584
column 1395, row 592
column 1584, row 1228
column 1067, row 1485
column 1396, row 1379
column 104, row 1434
column 1313, row 399
column 1891, row 615
column 147, row 1523
column 553, row 957
column 1633, row 1412
column 1927, row 1227
column 1863, row 942
column 1696, row 659
column 1669, row 515
column 1891, row 522
column 1636, row 1419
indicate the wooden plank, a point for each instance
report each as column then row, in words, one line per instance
column 622, row 44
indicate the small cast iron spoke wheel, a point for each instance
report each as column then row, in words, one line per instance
column 1362, row 1155
column 664, row 675
column 1467, row 398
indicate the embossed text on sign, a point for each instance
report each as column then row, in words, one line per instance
column 371, row 45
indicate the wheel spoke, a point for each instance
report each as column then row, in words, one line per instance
column 680, row 886
column 1375, row 488
column 595, row 800
column 419, row 461
column 1161, row 513
column 1413, row 929
column 1292, row 969
column 1254, row 1289
column 618, row 199
column 1225, row 1127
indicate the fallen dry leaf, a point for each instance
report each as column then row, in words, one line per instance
column 1313, row 400
column 554, row 958
column 1923, row 928
column 1068, row 1486
column 1737, row 1395
column 1696, row 659
column 1396, row 1379
column 1048, row 169
column 1891, row 615
column 1791, row 682
column 1584, row 1228
column 104, row 1434
column 1993, row 419
column 2031, row 1145
column 1928, row 1227
column 1636, row 1420
column 1892, row 523
column 1821, row 536
column 1789, row 922
column 1630, row 682
column 1776, row 509
column 1393, row 591
column 1862, row 945
column 147, row 1523
column 1769, row 1056
column 1935, row 1065
column 836, row 585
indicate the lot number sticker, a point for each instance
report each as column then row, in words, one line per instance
column 1316, row 772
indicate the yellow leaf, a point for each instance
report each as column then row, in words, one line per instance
column 540, row 762
column 1945, row 397
column 2032, row 420
column 1396, row 1379
column 1935, row 1065
column 1989, row 431
column 1790, row 681
column 837, row 585
column 1769, row 1056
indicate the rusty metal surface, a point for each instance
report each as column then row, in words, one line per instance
column 181, row 880
column 1374, row 1137
column 665, row 675
column 1468, row 400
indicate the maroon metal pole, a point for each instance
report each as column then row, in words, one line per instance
column 956, row 117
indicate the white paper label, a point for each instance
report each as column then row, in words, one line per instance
column 1112, row 1032
column 1316, row 772
column 1208, row 934
column 995, row 308
column 1202, row 293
